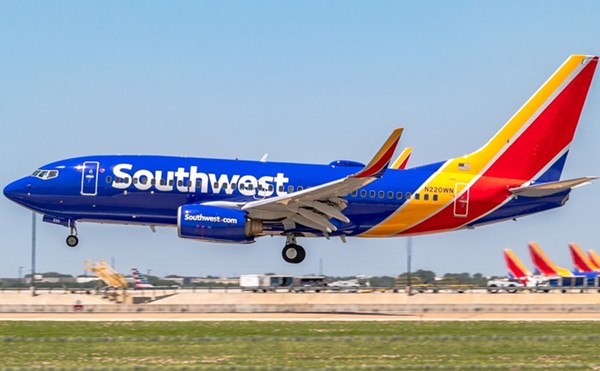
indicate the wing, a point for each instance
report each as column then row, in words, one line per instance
column 315, row 206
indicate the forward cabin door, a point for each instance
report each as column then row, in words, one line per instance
column 461, row 200
column 89, row 178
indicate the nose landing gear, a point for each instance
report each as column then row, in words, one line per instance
column 72, row 240
column 292, row 252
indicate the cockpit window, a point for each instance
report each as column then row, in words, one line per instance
column 45, row 174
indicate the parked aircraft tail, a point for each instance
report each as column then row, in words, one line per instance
column 141, row 281
column 543, row 264
column 594, row 259
column 516, row 269
column 581, row 262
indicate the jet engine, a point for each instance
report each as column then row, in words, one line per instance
column 217, row 224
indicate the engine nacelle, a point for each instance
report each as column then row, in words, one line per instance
column 217, row 224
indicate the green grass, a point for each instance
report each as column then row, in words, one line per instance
column 299, row 345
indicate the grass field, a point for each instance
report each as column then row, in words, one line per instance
column 299, row 345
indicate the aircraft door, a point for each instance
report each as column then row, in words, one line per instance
column 89, row 178
column 461, row 200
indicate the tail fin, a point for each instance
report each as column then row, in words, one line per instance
column 594, row 259
column 580, row 261
column 544, row 264
column 402, row 159
column 533, row 144
column 516, row 269
column 141, row 281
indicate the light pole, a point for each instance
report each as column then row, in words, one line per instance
column 21, row 273
column 408, row 258
column 33, row 227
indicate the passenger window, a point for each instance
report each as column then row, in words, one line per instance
column 399, row 195
column 426, row 197
column 225, row 185
column 390, row 195
column 435, row 197
column 372, row 193
column 171, row 182
column 280, row 189
column 216, row 185
column 135, row 180
column 242, row 186
column 270, row 187
column 354, row 194
column 153, row 182
column 180, row 183
column 408, row 195
column 189, row 183
column 300, row 188
column 417, row 196
column 250, row 186
column 291, row 189
column 109, row 179
column 198, row 184
column 233, row 185
column 363, row 193
column 381, row 194
column 163, row 182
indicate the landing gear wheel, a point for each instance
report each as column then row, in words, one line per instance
column 293, row 253
column 72, row 241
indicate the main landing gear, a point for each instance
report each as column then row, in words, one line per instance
column 72, row 240
column 293, row 253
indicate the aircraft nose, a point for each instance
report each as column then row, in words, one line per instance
column 17, row 190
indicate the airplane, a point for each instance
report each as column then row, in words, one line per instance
column 594, row 259
column 516, row 270
column 516, row 173
column 546, row 267
column 142, row 282
column 543, row 264
column 581, row 262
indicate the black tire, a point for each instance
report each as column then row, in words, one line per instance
column 492, row 289
column 72, row 241
column 293, row 254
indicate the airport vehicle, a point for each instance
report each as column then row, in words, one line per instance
column 510, row 286
column 516, row 173
column 350, row 285
column 265, row 282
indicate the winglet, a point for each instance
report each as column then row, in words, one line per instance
column 402, row 159
column 377, row 166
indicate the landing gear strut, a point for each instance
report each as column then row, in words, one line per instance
column 72, row 240
column 293, row 253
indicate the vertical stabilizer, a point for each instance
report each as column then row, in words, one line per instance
column 543, row 264
column 516, row 269
column 595, row 259
column 580, row 261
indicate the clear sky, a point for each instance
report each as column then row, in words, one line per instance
column 305, row 81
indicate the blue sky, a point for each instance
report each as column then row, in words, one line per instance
column 306, row 81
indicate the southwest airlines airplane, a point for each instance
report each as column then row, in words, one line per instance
column 516, row 173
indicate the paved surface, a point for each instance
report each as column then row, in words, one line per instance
column 299, row 317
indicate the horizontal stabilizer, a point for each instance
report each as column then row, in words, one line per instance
column 550, row 188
